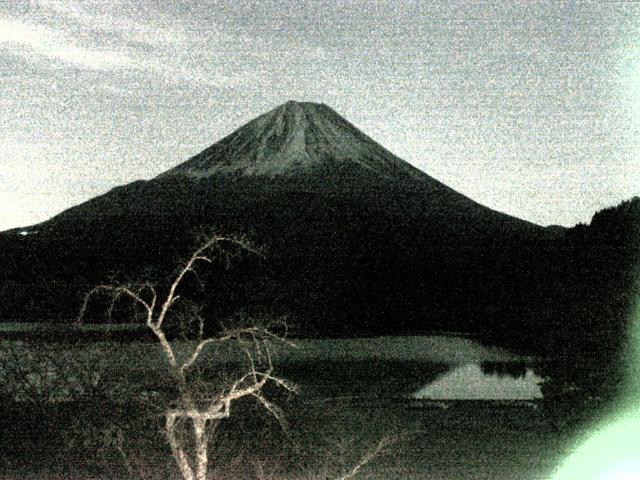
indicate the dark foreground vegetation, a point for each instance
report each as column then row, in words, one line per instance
column 581, row 310
column 334, row 422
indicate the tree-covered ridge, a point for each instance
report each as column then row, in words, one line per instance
column 593, row 284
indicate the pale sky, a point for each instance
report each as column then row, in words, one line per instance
column 531, row 108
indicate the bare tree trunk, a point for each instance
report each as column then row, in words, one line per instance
column 176, row 449
column 201, row 438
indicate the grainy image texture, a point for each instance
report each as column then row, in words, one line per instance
column 319, row 240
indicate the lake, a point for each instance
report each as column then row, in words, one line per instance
column 440, row 367
column 458, row 408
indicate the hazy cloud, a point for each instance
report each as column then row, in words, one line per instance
column 125, row 26
column 92, row 36
column 55, row 45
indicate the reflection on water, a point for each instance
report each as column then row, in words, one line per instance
column 473, row 381
column 503, row 369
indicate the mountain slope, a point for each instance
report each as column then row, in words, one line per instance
column 293, row 139
column 300, row 148
column 357, row 240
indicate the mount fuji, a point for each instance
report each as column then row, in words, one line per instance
column 357, row 241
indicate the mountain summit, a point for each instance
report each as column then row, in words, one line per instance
column 293, row 139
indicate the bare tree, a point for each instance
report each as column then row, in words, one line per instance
column 383, row 444
column 197, row 403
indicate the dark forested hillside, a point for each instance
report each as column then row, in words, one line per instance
column 584, row 309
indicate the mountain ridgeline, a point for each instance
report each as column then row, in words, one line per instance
column 356, row 241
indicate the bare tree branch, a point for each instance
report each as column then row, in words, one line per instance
column 384, row 443
column 116, row 292
column 192, row 405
